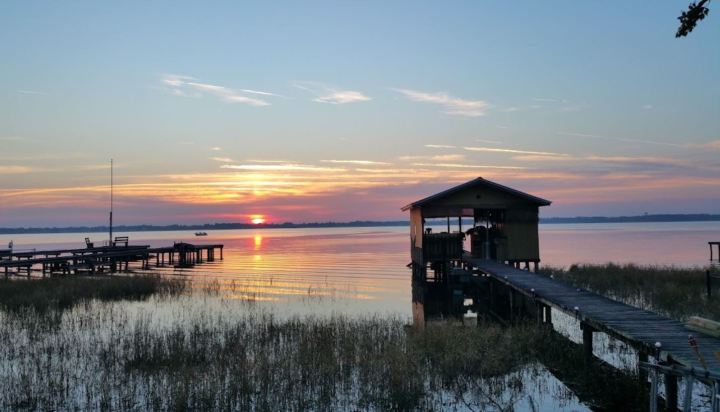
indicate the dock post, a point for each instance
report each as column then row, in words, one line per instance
column 687, row 399
column 548, row 315
column 587, row 343
column 642, row 372
column 671, row 392
column 707, row 284
column 653, row 390
column 512, row 304
column 221, row 253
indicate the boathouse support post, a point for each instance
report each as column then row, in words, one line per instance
column 587, row 343
column 671, row 391
column 653, row 390
column 511, row 298
column 687, row 398
column 548, row 315
column 642, row 372
column 708, row 285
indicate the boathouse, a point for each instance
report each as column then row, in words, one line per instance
column 504, row 225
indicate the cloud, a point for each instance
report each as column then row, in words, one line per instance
column 331, row 95
column 452, row 105
column 546, row 100
column 32, row 92
column 188, row 87
column 282, row 167
column 711, row 145
column 448, row 157
column 11, row 138
column 648, row 107
column 222, row 159
column 620, row 139
column 440, row 146
column 513, row 151
column 488, row 141
column 356, row 162
column 466, row 166
column 16, row 169
column 216, row 149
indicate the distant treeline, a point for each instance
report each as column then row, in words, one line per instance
column 634, row 219
column 200, row 227
column 357, row 223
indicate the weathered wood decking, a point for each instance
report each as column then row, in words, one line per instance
column 105, row 259
column 639, row 328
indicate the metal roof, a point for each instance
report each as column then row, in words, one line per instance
column 479, row 182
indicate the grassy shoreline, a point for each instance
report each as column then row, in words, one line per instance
column 64, row 292
column 676, row 292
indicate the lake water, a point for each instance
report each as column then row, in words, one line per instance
column 361, row 270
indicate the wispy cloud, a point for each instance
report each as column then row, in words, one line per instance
column 15, row 169
column 216, row 149
column 190, row 87
column 11, row 138
column 222, row 159
column 512, row 151
column 619, row 139
column 452, row 105
column 466, row 166
column 711, row 145
column 32, row 92
column 448, row 157
column 440, row 146
column 356, row 162
column 547, row 100
column 282, row 167
column 328, row 94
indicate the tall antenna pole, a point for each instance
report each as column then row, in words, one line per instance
column 111, row 201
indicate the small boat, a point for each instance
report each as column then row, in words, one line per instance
column 200, row 233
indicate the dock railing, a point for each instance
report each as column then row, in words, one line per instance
column 443, row 246
column 713, row 270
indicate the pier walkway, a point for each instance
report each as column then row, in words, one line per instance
column 105, row 259
column 639, row 328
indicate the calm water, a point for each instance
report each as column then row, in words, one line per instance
column 363, row 271
column 360, row 270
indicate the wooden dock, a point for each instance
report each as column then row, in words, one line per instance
column 641, row 329
column 105, row 259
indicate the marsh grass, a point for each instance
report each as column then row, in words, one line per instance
column 44, row 294
column 106, row 357
column 673, row 291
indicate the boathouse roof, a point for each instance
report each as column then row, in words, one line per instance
column 476, row 184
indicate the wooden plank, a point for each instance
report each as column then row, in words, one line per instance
column 630, row 324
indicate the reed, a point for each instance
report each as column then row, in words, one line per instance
column 62, row 293
column 673, row 291
column 104, row 357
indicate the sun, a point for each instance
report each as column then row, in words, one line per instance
column 257, row 219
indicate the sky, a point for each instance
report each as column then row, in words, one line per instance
column 318, row 111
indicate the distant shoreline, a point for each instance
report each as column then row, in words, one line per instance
column 393, row 223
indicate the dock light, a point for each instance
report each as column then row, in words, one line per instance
column 576, row 308
column 658, row 345
column 532, row 290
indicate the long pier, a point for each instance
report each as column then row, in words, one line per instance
column 650, row 334
column 104, row 259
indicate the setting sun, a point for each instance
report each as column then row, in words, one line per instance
column 257, row 219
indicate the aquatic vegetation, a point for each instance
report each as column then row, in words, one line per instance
column 64, row 292
column 673, row 291
column 160, row 356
